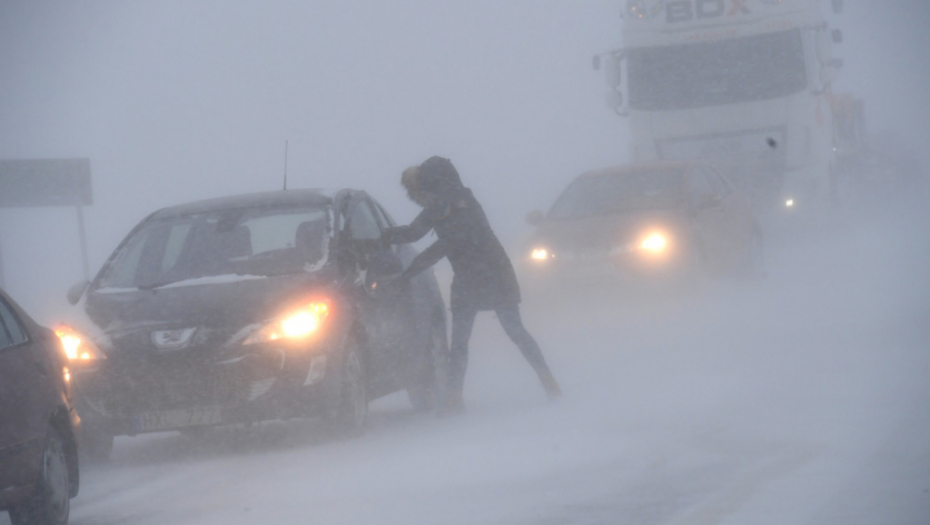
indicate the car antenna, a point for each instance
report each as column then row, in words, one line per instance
column 285, row 165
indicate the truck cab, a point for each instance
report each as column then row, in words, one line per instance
column 741, row 84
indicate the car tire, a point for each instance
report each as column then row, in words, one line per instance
column 351, row 411
column 425, row 393
column 96, row 444
column 51, row 503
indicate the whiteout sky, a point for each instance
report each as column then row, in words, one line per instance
column 176, row 101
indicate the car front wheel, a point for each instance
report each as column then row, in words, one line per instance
column 51, row 503
column 351, row 412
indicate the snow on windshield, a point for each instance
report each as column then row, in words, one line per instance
column 261, row 241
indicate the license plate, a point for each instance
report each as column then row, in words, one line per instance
column 179, row 418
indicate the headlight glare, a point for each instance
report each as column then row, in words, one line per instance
column 654, row 242
column 295, row 325
column 77, row 346
column 540, row 254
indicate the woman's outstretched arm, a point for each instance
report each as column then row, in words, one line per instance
column 427, row 258
column 415, row 231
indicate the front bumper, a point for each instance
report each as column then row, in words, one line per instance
column 140, row 394
column 616, row 266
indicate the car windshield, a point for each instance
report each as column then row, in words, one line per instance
column 716, row 73
column 251, row 242
column 618, row 192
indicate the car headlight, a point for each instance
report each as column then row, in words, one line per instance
column 78, row 347
column 654, row 242
column 299, row 324
column 789, row 203
column 541, row 254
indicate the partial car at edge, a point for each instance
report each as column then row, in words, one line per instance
column 39, row 428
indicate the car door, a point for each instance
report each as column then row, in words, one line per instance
column 708, row 218
column 384, row 309
column 25, row 386
column 419, row 329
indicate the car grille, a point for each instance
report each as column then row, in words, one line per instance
column 167, row 383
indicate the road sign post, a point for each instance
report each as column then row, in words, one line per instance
column 48, row 182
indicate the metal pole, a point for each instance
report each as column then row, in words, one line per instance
column 2, row 283
column 83, row 238
column 285, row 165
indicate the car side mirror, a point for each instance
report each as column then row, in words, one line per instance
column 76, row 291
column 535, row 218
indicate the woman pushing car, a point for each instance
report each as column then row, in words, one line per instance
column 483, row 279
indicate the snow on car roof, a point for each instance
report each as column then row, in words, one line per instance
column 250, row 200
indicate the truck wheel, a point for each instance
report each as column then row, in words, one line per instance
column 51, row 503
column 424, row 394
column 351, row 412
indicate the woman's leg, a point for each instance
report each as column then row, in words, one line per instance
column 509, row 316
column 463, row 320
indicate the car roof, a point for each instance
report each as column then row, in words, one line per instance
column 633, row 168
column 296, row 197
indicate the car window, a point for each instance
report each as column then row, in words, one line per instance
column 11, row 332
column 383, row 217
column 176, row 240
column 362, row 222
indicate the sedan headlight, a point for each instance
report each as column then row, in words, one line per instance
column 78, row 347
column 654, row 242
column 541, row 254
column 299, row 324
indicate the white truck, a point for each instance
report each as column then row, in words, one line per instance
column 741, row 84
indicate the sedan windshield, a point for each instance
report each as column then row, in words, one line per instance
column 716, row 73
column 618, row 192
column 254, row 241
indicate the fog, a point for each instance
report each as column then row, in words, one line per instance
column 798, row 399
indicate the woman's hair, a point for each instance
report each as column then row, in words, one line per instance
column 411, row 181
column 434, row 181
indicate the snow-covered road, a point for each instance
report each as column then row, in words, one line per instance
column 801, row 400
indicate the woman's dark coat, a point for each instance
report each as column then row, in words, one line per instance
column 484, row 278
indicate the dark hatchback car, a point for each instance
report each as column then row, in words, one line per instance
column 248, row 308
column 38, row 425
column 656, row 220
